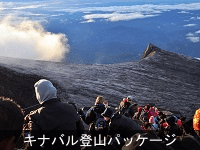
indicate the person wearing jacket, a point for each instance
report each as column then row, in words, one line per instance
column 196, row 122
column 120, row 126
column 127, row 107
column 11, row 123
column 54, row 119
column 98, row 108
column 93, row 114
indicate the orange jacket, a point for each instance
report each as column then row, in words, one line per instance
column 196, row 120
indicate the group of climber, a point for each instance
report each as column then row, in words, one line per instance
column 130, row 119
column 58, row 125
column 105, row 121
column 151, row 118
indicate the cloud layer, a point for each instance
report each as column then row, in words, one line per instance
column 194, row 36
column 95, row 11
column 116, row 16
column 119, row 13
column 28, row 39
column 35, row 41
column 190, row 25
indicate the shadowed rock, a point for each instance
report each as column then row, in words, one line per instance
column 169, row 80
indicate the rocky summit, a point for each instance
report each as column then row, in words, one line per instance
column 171, row 81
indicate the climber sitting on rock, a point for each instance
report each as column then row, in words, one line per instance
column 127, row 107
column 53, row 118
column 93, row 118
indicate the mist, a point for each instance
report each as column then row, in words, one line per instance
column 28, row 39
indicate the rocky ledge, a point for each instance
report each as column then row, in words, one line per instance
column 170, row 80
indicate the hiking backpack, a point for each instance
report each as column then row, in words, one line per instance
column 100, row 123
column 144, row 116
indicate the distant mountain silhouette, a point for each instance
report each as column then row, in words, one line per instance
column 170, row 80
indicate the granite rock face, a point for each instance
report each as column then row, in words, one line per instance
column 170, row 80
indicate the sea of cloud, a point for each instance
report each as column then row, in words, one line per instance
column 28, row 39
column 132, row 12
column 98, row 10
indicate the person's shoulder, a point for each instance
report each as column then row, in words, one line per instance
column 116, row 115
column 116, row 119
column 197, row 113
column 65, row 104
column 69, row 106
column 35, row 114
column 198, row 110
column 37, row 111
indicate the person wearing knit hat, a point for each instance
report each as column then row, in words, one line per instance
column 53, row 118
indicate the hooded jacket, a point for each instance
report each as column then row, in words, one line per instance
column 44, row 90
column 54, row 118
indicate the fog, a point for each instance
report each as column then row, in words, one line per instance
column 28, row 39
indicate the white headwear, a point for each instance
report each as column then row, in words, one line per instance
column 130, row 98
column 44, row 90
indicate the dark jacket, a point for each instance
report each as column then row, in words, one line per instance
column 129, row 109
column 55, row 118
column 92, row 112
column 126, row 127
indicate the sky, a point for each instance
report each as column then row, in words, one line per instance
column 22, row 23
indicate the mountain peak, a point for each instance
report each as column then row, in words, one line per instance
column 150, row 50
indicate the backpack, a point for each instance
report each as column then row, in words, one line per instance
column 144, row 116
column 100, row 123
